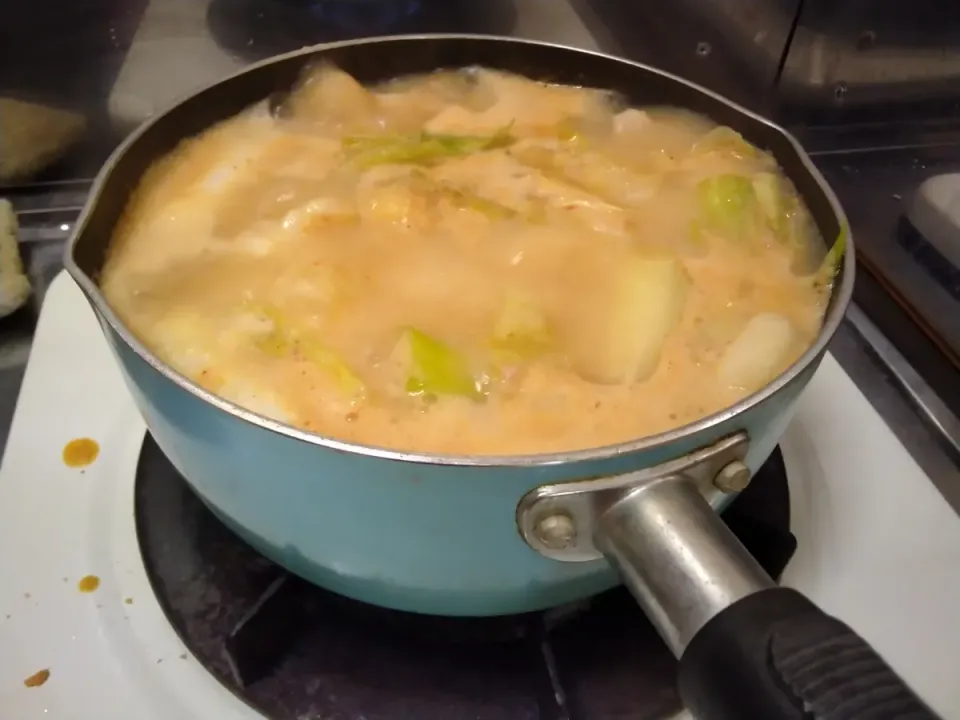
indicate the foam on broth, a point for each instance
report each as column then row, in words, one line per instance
column 469, row 262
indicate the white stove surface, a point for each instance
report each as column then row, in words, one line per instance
column 878, row 546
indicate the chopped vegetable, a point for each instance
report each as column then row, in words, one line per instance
column 397, row 203
column 728, row 205
column 569, row 130
column 318, row 212
column 588, row 180
column 422, row 149
column 831, row 263
column 592, row 172
column 273, row 342
column 281, row 341
column 327, row 360
column 725, row 140
column 697, row 239
column 609, row 180
column 648, row 302
column 463, row 199
column 521, row 330
column 780, row 207
column 434, row 368
column 760, row 351
column 771, row 196
column 471, row 201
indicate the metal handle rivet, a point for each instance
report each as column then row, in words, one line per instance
column 734, row 477
column 556, row 531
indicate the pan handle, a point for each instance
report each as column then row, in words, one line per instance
column 747, row 648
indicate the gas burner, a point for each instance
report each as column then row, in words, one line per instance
column 255, row 29
column 292, row 650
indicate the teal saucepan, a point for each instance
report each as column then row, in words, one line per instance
column 454, row 535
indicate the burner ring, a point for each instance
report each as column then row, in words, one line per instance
column 289, row 649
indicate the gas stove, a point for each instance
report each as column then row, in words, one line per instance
column 181, row 620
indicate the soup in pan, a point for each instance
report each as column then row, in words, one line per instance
column 469, row 262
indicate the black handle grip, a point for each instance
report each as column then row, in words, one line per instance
column 775, row 655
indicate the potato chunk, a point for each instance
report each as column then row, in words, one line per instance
column 521, row 330
column 759, row 353
column 649, row 296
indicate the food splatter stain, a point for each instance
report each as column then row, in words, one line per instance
column 80, row 452
column 128, row 601
column 37, row 679
column 88, row 583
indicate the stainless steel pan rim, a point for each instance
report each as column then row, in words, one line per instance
column 840, row 297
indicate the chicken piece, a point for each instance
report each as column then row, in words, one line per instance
column 593, row 171
column 499, row 177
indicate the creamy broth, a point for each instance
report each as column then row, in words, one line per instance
column 469, row 262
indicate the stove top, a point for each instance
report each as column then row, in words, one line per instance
column 171, row 623
column 293, row 651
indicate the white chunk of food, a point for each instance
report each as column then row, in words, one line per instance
column 648, row 303
column 499, row 177
column 759, row 353
column 631, row 120
column 332, row 94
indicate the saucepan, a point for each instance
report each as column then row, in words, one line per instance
column 458, row 535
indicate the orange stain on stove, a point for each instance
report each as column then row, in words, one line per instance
column 37, row 679
column 88, row 583
column 80, row 452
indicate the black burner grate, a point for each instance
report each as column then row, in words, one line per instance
column 292, row 650
column 253, row 29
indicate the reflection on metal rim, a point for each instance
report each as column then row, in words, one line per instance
column 839, row 299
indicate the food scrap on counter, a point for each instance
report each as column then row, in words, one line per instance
column 37, row 679
column 88, row 584
column 80, row 452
